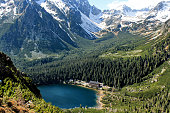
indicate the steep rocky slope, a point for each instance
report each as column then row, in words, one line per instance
column 28, row 29
column 9, row 71
column 35, row 29
column 75, row 14
column 17, row 92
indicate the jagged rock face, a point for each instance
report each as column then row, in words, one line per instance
column 166, row 27
column 30, row 27
column 82, row 5
column 27, row 28
column 34, row 30
column 160, row 6
column 11, row 9
column 75, row 14
column 146, row 18
column 95, row 11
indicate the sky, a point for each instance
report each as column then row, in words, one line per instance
column 134, row 4
column 101, row 4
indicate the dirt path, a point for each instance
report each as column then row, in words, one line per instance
column 99, row 99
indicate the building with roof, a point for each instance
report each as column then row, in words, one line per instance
column 94, row 84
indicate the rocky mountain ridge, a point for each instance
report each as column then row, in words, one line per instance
column 75, row 14
column 42, row 27
column 126, row 14
column 28, row 28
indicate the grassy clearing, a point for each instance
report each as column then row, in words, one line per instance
column 123, row 54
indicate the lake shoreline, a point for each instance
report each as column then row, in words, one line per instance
column 99, row 94
column 67, row 96
column 99, row 99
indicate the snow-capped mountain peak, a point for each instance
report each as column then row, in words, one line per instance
column 33, row 23
column 77, row 12
column 6, row 7
column 82, row 18
column 125, row 14
column 29, row 24
column 162, row 6
column 161, row 11
column 123, row 8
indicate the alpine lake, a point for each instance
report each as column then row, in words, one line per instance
column 68, row 96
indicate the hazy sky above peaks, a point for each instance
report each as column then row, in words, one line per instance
column 134, row 4
column 101, row 4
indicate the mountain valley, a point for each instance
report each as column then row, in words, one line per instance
column 55, row 41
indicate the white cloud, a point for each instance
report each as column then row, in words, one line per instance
column 135, row 4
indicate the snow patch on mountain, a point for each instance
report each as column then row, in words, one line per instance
column 163, row 16
column 50, row 11
column 163, row 11
column 58, row 3
column 124, row 13
column 44, row 5
column 88, row 25
column 40, row 14
column 6, row 7
column 97, row 20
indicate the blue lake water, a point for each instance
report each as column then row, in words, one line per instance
column 68, row 96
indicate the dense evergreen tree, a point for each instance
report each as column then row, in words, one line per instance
column 118, row 72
